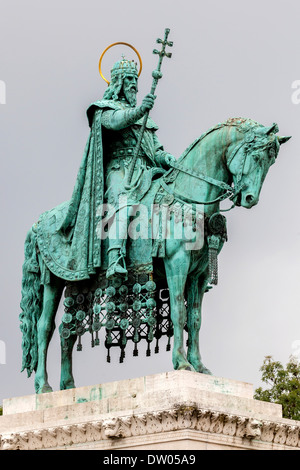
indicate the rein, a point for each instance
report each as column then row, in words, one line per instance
column 229, row 193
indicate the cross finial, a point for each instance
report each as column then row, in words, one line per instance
column 164, row 43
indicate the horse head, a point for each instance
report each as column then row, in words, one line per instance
column 250, row 161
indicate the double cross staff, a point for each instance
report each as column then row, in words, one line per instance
column 156, row 74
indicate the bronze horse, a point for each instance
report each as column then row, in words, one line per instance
column 231, row 161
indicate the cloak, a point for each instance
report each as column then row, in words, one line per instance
column 67, row 234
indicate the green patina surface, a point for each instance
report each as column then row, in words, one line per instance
column 125, row 167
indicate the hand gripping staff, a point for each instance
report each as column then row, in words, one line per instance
column 156, row 74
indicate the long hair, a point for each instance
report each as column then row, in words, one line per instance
column 114, row 88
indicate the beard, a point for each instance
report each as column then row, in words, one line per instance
column 130, row 94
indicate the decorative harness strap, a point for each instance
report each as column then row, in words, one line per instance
column 230, row 192
column 217, row 232
column 227, row 195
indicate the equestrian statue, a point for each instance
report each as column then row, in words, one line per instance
column 135, row 248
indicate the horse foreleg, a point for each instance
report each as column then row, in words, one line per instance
column 45, row 328
column 67, row 379
column 195, row 291
column 177, row 266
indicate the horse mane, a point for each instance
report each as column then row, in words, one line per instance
column 243, row 125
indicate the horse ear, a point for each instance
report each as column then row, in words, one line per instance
column 274, row 128
column 283, row 139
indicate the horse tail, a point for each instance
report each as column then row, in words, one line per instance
column 31, row 303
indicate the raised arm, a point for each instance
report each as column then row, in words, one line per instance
column 119, row 119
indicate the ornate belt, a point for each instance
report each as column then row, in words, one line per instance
column 125, row 152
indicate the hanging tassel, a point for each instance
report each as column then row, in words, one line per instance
column 213, row 245
column 79, row 345
column 135, row 351
column 122, row 356
column 136, row 336
column 168, row 347
column 108, row 355
column 217, row 233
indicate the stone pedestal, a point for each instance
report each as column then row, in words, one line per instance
column 177, row 410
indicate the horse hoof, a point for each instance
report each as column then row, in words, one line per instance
column 67, row 385
column 187, row 367
column 204, row 370
column 44, row 389
column 199, row 366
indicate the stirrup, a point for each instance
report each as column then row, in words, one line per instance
column 115, row 269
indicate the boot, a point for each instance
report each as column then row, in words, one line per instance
column 117, row 251
column 114, row 266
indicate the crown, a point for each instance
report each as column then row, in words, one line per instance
column 124, row 67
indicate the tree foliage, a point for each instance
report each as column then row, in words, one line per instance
column 283, row 386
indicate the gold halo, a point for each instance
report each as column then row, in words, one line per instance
column 116, row 44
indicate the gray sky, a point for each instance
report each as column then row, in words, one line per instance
column 230, row 59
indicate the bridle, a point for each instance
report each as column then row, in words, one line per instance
column 230, row 192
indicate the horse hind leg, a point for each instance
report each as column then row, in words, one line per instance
column 45, row 328
column 195, row 291
column 67, row 379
